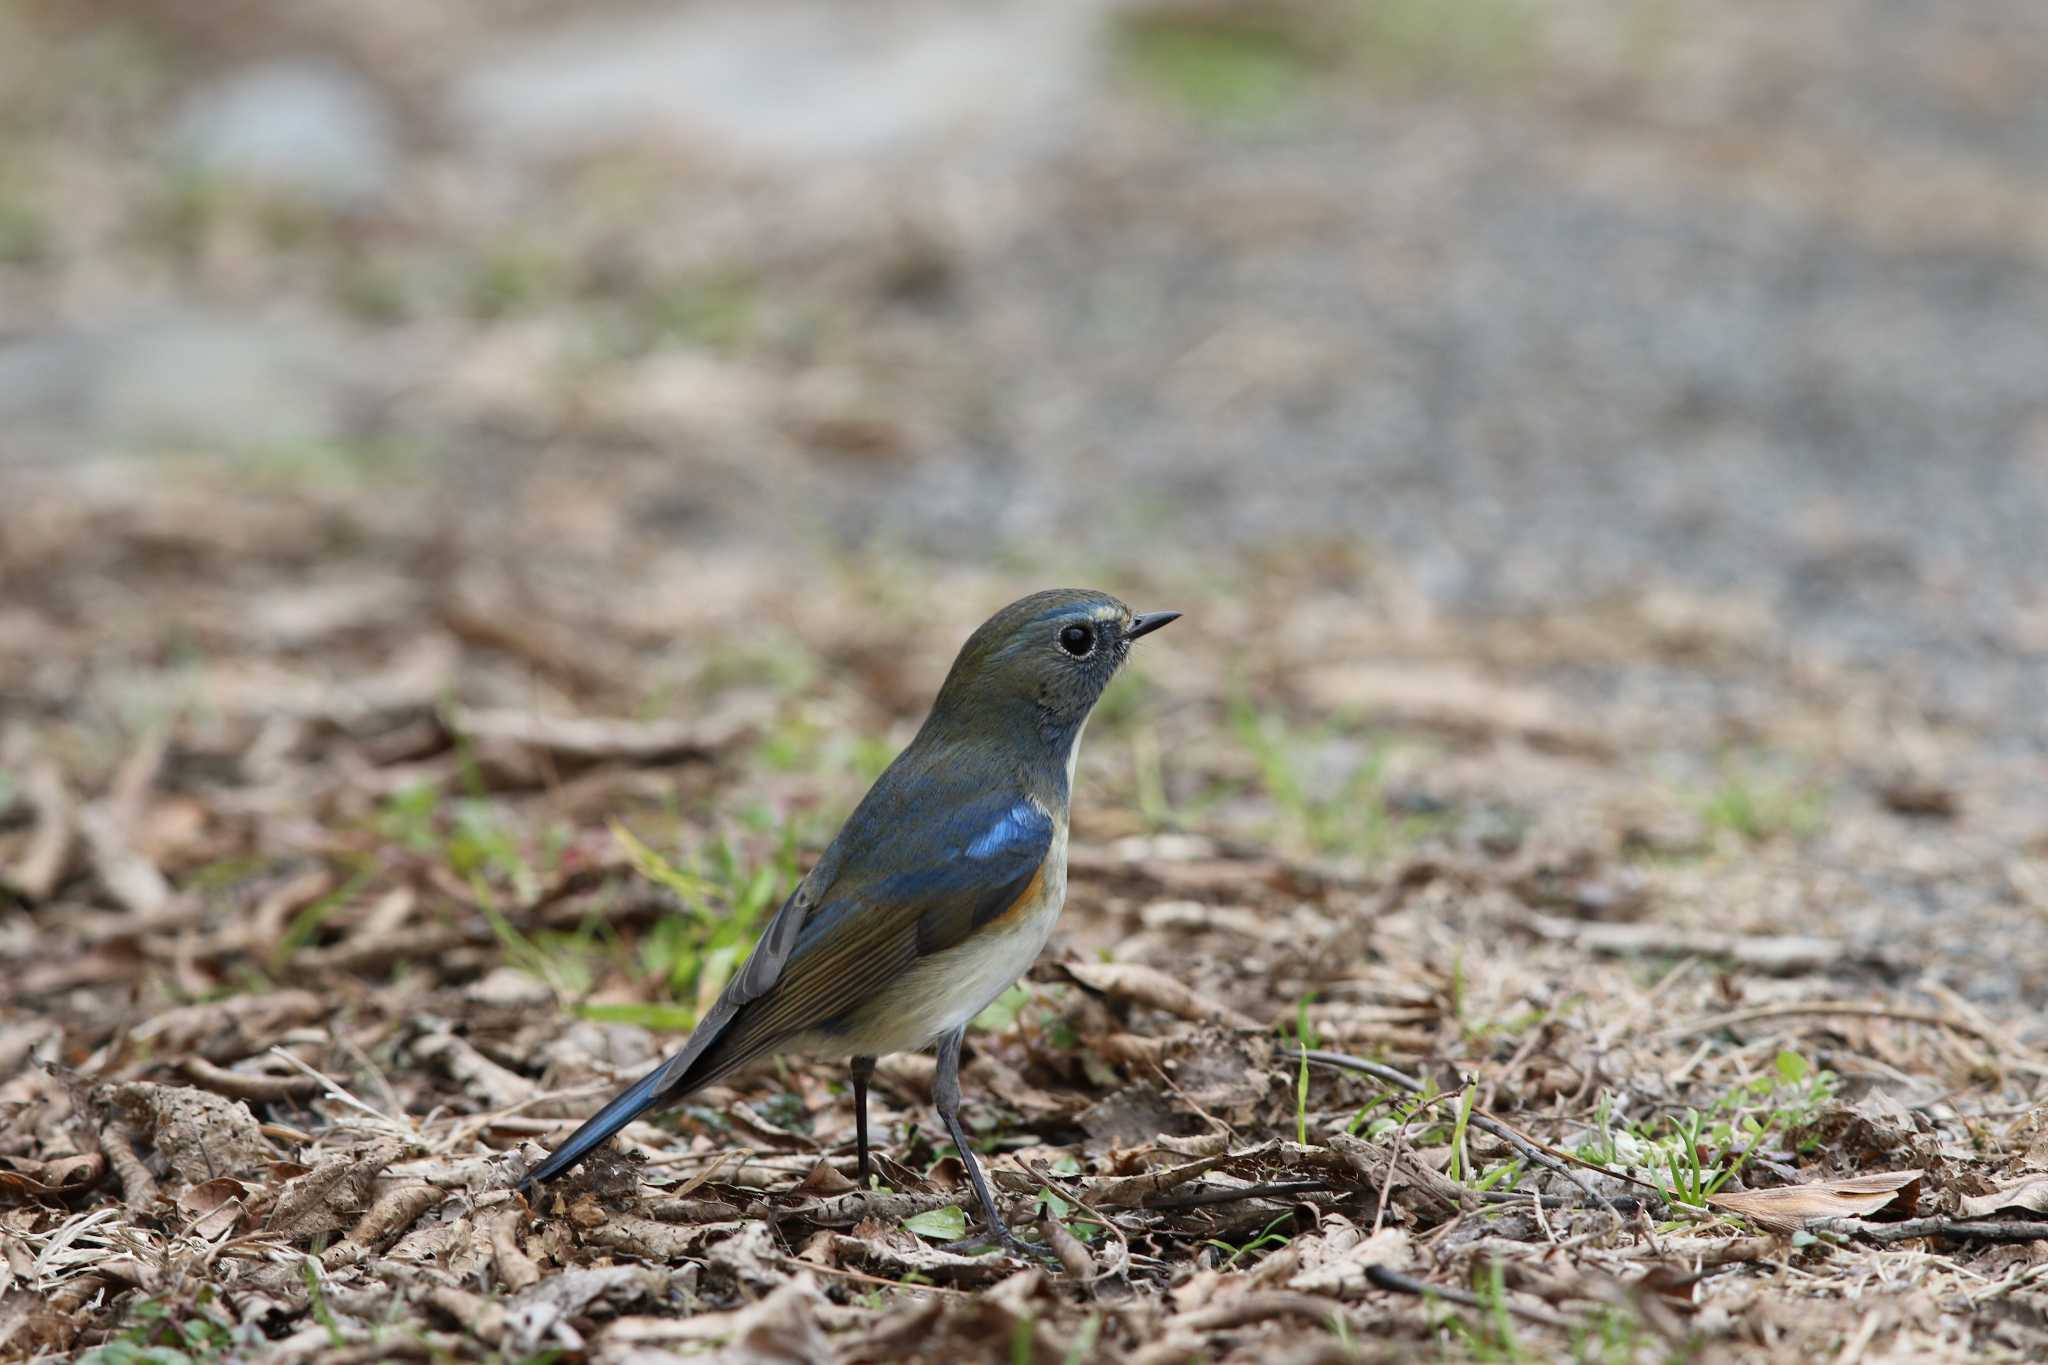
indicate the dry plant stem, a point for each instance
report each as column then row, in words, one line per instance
column 1398, row 1283
column 1218, row 1124
column 1395, row 1153
column 1135, row 1191
column 702, row 1178
column 1484, row 1122
column 846, row 1273
column 1153, row 988
column 844, row 1210
column 507, row 1120
column 717, row 1157
column 334, row 1091
column 489, row 627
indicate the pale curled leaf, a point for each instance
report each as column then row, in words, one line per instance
column 947, row 1224
column 1149, row 986
column 1787, row 1207
column 2029, row 1194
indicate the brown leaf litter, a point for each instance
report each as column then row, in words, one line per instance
column 298, row 980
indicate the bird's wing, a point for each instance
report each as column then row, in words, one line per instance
column 911, row 893
column 898, row 884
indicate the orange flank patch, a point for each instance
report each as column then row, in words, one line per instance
column 1020, row 909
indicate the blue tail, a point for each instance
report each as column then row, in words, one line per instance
column 644, row 1094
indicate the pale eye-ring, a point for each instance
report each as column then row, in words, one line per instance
column 1078, row 641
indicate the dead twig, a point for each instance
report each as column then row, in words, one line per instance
column 1549, row 1158
column 135, row 882
column 1133, row 1191
column 1396, row 1282
column 1269, row 1190
column 847, row 1273
column 592, row 739
column 1778, row 954
column 242, row 1085
column 1065, row 1244
column 1954, row 1229
column 333, row 1090
column 1074, row 1257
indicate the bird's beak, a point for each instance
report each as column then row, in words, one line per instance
column 1149, row 622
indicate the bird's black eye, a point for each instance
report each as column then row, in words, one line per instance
column 1077, row 641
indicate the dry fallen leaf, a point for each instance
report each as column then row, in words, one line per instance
column 1788, row 1207
column 1334, row 1261
column 201, row 1134
column 54, row 1179
column 2029, row 1194
column 824, row 1181
column 331, row 1196
column 1149, row 986
column 214, row 1206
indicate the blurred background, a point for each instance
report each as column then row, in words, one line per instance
column 1629, row 378
column 1526, row 301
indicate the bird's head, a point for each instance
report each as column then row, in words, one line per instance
column 1045, row 658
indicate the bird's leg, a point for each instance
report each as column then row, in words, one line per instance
column 863, row 1067
column 946, row 1098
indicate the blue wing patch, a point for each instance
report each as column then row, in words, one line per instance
column 963, row 873
column 967, row 871
column 1022, row 826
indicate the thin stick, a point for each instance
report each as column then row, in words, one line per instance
column 468, row 1127
column 703, row 1177
column 1542, row 1155
column 1398, row 1150
column 1395, row 1281
column 335, row 1091
column 844, row 1273
column 1045, row 1179
column 1183, row 1096
column 1231, row 1195
column 1957, row 1229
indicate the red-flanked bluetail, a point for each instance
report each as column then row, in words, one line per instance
column 937, row 893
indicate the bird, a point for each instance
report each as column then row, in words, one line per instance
column 937, row 893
